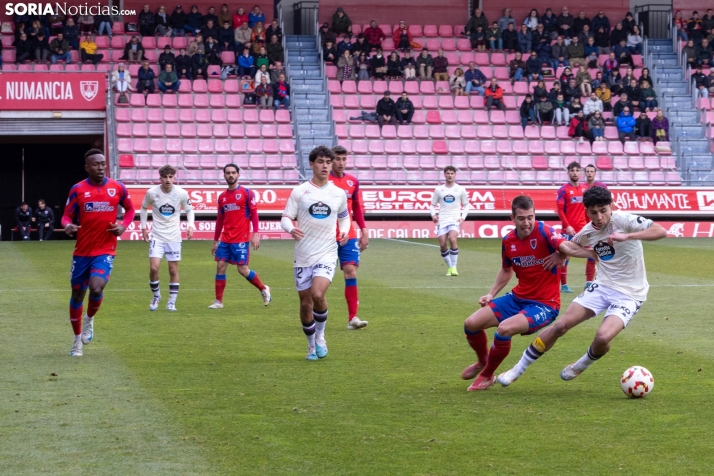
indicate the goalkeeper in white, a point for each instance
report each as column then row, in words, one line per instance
column 453, row 201
column 166, row 201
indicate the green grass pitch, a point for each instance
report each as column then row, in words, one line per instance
column 228, row 391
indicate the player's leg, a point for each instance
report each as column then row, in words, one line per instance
column 252, row 277
column 475, row 329
column 154, row 265
column 574, row 315
column 590, row 269
column 453, row 251
column 443, row 246
column 98, row 278
column 349, row 262
column 303, row 285
column 319, row 312
column 223, row 256
column 564, row 288
column 76, row 309
column 619, row 313
column 173, row 282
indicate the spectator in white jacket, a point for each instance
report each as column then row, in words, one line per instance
column 262, row 72
column 634, row 41
column 592, row 105
column 121, row 79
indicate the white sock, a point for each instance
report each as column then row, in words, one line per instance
column 78, row 338
column 309, row 330
column 155, row 288
column 173, row 292
column 447, row 258
column 454, row 254
column 586, row 360
column 320, row 323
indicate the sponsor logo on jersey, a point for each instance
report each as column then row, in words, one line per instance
column 449, row 198
column 576, row 199
column 604, row 250
column 323, row 266
column 230, row 207
column 111, row 192
column 98, row 207
column 167, row 209
column 319, row 210
column 527, row 261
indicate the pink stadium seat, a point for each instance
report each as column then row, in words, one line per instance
column 411, row 162
column 334, row 87
column 223, row 146
column 657, row 178
column 636, row 163
column 416, row 30
column 614, row 147
column 552, row 147
column 184, row 87
column 137, row 100
column 359, row 146
column 488, row 146
column 189, row 146
column 461, row 102
column 203, row 116
column 405, row 132
column 350, row 102
column 631, row 148
column 349, row 87
column 536, row 147
column 495, row 177
column 472, row 147
column 497, row 117
column 411, row 87
column 407, row 147
column 611, row 134
column 139, row 130
column 449, row 44
column 255, row 146
column 419, row 117
column 544, row 178
column 233, row 100
column 252, row 131
column 651, row 163
column 485, row 132
column 465, row 117
column 376, row 147
column 532, row 132
column 331, row 71
column 456, row 147
column 599, row 148
column 340, row 131
column 624, row 177
column 368, row 103
column 388, row 131
column 204, row 131
column 476, row 102
column 238, row 146
column 188, row 130
column 583, row 148
column 427, row 87
column 172, row 130
column 424, row 147
column 512, row 117
column 356, row 131
column 520, row 147
column 439, row 147
column 123, row 130
column 444, row 30
column 619, row 162
column 567, row 147
column 379, row 87
column 271, row 146
column 500, row 132
column 525, row 162
column 391, row 147
column 463, row 44
column 123, row 115
column 187, row 115
column 421, row 132
column 481, row 117
column 436, row 132
column 453, row 132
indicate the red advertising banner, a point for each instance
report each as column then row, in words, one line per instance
column 271, row 230
column 52, row 91
column 484, row 200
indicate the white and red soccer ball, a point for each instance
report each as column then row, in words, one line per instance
column 637, row 382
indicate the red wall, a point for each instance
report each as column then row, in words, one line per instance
column 690, row 5
column 614, row 9
column 423, row 12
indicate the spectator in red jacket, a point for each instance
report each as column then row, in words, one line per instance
column 402, row 38
column 239, row 18
column 374, row 35
column 494, row 96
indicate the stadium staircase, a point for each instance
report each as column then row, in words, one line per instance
column 687, row 133
column 311, row 115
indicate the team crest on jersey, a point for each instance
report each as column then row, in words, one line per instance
column 238, row 195
column 534, row 243
column 111, row 192
column 319, row 210
column 513, row 247
column 350, row 183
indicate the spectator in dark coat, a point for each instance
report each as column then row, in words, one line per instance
column 225, row 37
column 527, row 111
column 534, row 68
column 199, row 64
column 145, row 83
column 404, row 109
column 360, row 46
column 41, row 47
column 275, row 49
column 643, row 126
column 23, row 214
column 601, row 21
column 146, row 22
column 386, row 110
column 209, row 30
column 379, row 64
column 566, row 23
column 341, row 23
column 628, row 22
column 194, row 21
column 211, row 16
column 71, row 33
column 179, row 20
column 550, row 23
column 133, row 50
column 44, row 219
column 617, row 35
column 581, row 21
column 167, row 57
column 183, row 65
column 274, row 29
column 510, row 38
column 476, row 20
column 329, row 52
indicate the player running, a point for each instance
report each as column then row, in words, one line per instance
column 166, row 201
column 531, row 251
column 349, row 254
column 619, row 290
column 572, row 214
column 590, row 173
column 453, row 204
column 319, row 207
column 237, row 211
column 94, row 203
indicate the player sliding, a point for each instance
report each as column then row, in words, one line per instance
column 453, row 204
column 318, row 206
column 572, row 214
column 94, row 202
column 620, row 287
column 166, row 201
column 236, row 213
column 531, row 251
column 349, row 254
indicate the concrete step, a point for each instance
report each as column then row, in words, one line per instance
column 699, row 162
column 309, row 114
column 694, row 146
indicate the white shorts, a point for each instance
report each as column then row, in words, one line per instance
column 158, row 249
column 598, row 298
column 445, row 229
column 304, row 276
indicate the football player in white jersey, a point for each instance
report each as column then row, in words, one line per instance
column 319, row 207
column 453, row 204
column 166, row 201
column 619, row 289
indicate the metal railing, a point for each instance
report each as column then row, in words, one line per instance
column 111, row 152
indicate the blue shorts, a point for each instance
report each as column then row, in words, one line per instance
column 538, row 315
column 349, row 253
column 86, row 267
column 234, row 253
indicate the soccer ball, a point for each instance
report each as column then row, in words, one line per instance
column 637, row 382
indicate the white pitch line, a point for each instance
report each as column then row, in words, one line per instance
column 413, row 243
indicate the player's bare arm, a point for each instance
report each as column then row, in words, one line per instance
column 214, row 248
column 189, row 233
column 653, row 233
column 116, row 229
column 71, row 229
column 502, row 278
column 255, row 241
column 364, row 239
column 576, row 251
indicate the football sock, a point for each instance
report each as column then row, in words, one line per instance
column 530, row 355
column 155, row 288
column 586, row 360
column 478, row 340
column 352, row 297
column 75, row 315
column 309, row 330
column 499, row 351
column 590, row 270
column 173, row 292
column 564, row 273
column 220, row 286
column 93, row 304
column 454, row 253
column 255, row 280
column 447, row 258
column 321, row 321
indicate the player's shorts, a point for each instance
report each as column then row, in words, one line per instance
column 233, row 253
column 539, row 315
column 600, row 298
column 349, row 253
column 444, row 229
column 304, row 276
column 86, row 267
column 158, row 249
